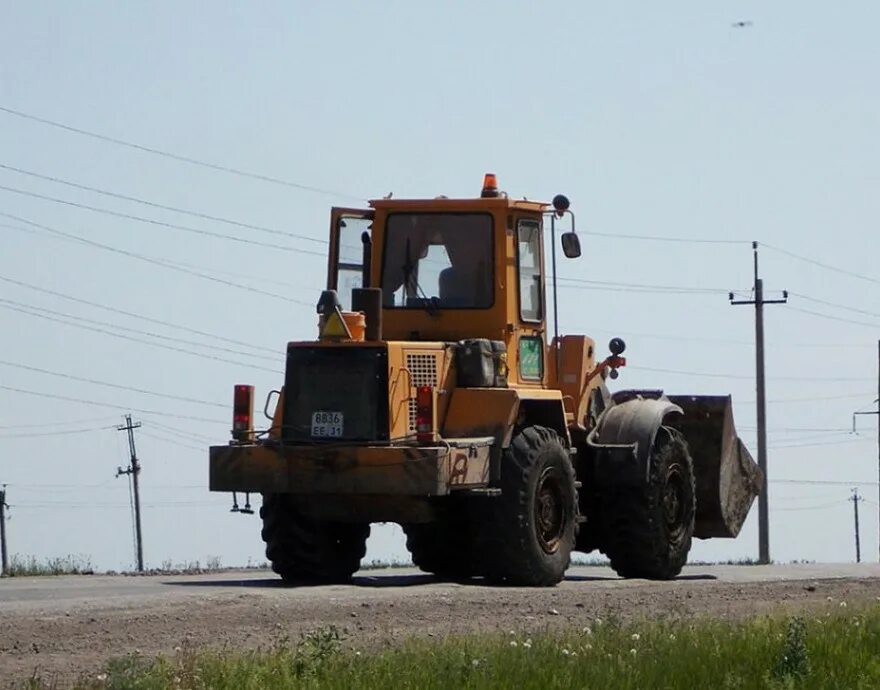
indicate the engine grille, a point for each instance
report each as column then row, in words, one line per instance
column 423, row 371
column 352, row 381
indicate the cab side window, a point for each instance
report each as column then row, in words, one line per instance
column 528, row 253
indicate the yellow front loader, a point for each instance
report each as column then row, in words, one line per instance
column 435, row 398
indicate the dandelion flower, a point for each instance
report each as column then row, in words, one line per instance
column 672, row 636
column 565, row 652
column 527, row 644
column 588, row 647
column 636, row 637
column 598, row 621
column 475, row 663
column 633, row 652
column 101, row 677
column 588, row 631
column 843, row 604
column 513, row 643
column 830, row 598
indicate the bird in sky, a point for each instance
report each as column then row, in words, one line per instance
column 741, row 24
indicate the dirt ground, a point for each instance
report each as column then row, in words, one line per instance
column 60, row 636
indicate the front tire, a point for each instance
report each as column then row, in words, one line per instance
column 648, row 530
column 303, row 550
column 530, row 532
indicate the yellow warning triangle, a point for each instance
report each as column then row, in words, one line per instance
column 335, row 326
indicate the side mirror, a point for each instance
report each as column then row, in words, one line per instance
column 571, row 245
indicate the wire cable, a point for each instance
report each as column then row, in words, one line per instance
column 659, row 238
column 201, row 355
column 836, row 305
column 134, row 315
column 828, row 267
column 178, row 157
column 832, row 318
column 57, row 433
column 159, row 336
column 163, row 224
column 684, row 372
column 157, row 262
column 108, row 384
column 96, row 403
column 153, row 204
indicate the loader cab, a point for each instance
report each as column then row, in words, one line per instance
column 451, row 269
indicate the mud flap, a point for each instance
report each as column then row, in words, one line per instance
column 727, row 478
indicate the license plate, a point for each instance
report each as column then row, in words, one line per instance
column 327, row 424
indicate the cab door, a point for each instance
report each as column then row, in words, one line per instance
column 350, row 249
column 531, row 346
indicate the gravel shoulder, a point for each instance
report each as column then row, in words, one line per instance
column 65, row 626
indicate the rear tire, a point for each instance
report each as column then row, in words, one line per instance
column 648, row 530
column 445, row 547
column 529, row 534
column 307, row 551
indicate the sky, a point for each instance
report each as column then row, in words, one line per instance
column 658, row 121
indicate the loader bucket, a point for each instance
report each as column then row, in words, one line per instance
column 727, row 477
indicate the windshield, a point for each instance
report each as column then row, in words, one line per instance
column 438, row 260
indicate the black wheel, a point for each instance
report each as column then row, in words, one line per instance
column 648, row 530
column 307, row 551
column 444, row 547
column 530, row 530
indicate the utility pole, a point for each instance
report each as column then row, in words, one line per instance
column 855, row 498
column 759, row 302
column 4, row 556
column 875, row 412
column 134, row 470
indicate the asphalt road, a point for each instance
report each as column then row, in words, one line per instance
column 62, row 627
column 47, row 594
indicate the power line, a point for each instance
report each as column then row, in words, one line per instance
column 821, row 506
column 834, row 318
column 57, row 433
column 160, row 223
column 706, row 374
column 112, row 406
column 157, row 262
column 201, row 355
column 835, row 305
column 829, row 267
column 820, row 443
column 108, row 384
column 823, row 482
column 659, row 238
column 178, row 157
column 132, row 314
column 641, row 287
column 153, row 204
column 811, row 398
column 172, row 442
column 150, row 334
column 43, row 425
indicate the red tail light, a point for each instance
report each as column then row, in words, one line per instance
column 424, row 413
column 243, row 412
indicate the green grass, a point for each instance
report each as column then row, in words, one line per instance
column 29, row 566
column 837, row 649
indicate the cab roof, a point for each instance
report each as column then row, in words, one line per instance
column 446, row 204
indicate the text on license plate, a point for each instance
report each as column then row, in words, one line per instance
column 327, row 424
